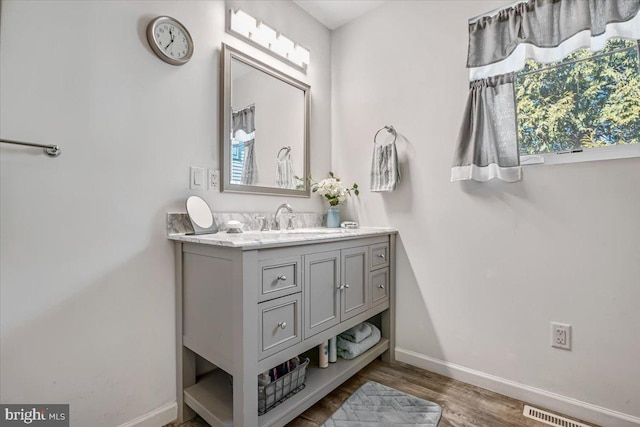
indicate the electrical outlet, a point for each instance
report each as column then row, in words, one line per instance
column 561, row 335
column 213, row 179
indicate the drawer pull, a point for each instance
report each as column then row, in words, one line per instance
column 282, row 277
column 381, row 286
column 282, row 325
column 381, row 256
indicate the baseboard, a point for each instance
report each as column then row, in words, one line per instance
column 156, row 418
column 535, row 396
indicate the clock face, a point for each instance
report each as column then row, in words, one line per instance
column 170, row 40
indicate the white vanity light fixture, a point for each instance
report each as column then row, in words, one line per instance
column 268, row 39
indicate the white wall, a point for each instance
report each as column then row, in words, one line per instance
column 484, row 268
column 86, row 273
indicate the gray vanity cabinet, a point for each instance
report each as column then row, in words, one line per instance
column 337, row 287
column 246, row 309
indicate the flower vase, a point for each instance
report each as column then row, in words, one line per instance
column 333, row 217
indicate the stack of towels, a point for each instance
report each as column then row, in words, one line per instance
column 355, row 341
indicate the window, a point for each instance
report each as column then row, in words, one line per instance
column 585, row 102
column 237, row 160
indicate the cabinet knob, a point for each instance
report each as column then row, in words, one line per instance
column 282, row 325
column 341, row 287
column 282, row 277
column 381, row 286
column 381, row 256
column 346, row 286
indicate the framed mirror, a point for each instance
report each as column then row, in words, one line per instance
column 265, row 128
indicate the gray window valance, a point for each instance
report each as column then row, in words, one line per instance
column 542, row 23
column 244, row 119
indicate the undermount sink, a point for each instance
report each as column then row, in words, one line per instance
column 294, row 232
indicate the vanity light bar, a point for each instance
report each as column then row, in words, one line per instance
column 268, row 39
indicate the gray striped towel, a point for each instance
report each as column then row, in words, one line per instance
column 385, row 173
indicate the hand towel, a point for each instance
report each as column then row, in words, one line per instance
column 357, row 333
column 285, row 177
column 385, row 173
column 350, row 350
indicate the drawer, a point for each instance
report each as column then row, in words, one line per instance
column 279, row 324
column 279, row 277
column 379, row 286
column 379, row 256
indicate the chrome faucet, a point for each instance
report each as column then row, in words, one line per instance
column 277, row 223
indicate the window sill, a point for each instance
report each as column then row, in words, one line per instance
column 588, row 155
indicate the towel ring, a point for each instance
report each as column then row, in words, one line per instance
column 288, row 150
column 389, row 129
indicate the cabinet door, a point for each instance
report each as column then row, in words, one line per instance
column 354, row 281
column 322, row 296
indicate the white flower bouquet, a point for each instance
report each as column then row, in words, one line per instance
column 332, row 189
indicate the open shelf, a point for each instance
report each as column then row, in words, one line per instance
column 211, row 396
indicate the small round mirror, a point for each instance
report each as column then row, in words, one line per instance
column 199, row 212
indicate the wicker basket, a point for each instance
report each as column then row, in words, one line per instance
column 273, row 394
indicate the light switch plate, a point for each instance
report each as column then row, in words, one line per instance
column 196, row 178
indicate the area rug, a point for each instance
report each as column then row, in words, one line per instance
column 374, row 404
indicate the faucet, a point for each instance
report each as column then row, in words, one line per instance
column 277, row 223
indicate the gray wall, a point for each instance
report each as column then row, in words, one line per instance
column 484, row 268
column 86, row 272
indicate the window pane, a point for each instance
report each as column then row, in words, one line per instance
column 586, row 101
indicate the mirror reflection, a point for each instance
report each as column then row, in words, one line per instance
column 265, row 145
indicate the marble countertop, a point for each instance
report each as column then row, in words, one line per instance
column 274, row 238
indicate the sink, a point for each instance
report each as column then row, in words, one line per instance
column 312, row 231
column 294, row 232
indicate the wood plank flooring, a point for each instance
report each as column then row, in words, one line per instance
column 462, row 404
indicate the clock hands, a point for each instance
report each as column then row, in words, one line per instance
column 172, row 37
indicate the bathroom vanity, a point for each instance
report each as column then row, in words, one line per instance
column 248, row 302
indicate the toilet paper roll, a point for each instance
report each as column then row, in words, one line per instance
column 323, row 349
column 333, row 350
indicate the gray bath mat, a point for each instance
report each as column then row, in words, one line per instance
column 374, row 404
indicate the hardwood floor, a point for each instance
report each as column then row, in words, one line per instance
column 462, row 404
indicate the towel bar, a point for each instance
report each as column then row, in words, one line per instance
column 288, row 150
column 389, row 129
column 49, row 150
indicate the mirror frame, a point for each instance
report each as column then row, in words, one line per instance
column 228, row 54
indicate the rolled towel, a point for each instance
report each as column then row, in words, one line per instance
column 357, row 333
column 350, row 350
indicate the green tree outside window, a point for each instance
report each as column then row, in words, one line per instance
column 588, row 100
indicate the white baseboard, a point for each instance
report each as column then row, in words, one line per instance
column 535, row 396
column 156, row 418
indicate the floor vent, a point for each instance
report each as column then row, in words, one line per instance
column 549, row 418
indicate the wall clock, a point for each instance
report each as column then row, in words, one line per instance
column 170, row 40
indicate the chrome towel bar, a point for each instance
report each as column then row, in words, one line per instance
column 389, row 129
column 49, row 150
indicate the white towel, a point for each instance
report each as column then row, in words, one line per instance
column 385, row 173
column 285, row 177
